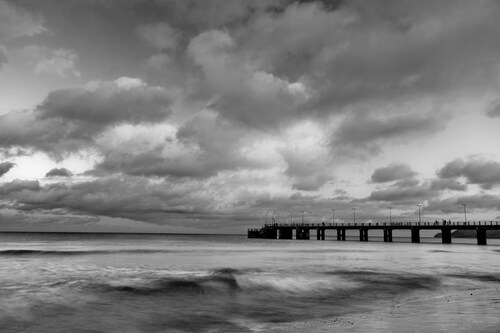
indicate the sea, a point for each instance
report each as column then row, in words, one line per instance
column 70, row 282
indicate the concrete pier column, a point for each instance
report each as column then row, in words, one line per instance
column 446, row 235
column 481, row 236
column 285, row 233
column 318, row 234
column 323, row 232
column 339, row 234
column 298, row 233
column 270, row 233
column 342, row 234
column 415, row 235
column 363, row 235
column 387, row 235
column 302, row 233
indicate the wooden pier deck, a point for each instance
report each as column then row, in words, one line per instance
column 303, row 230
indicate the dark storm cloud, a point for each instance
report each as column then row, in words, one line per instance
column 3, row 56
column 5, row 167
column 368, row 132
column 125, row 100
column 448, row 184
column 16, row 186
column 483, row 172
column 204, row 146
column 15, row 21
column 58, row 172
column 452, row 169
column 115, row 197
column 24, row 129
column 408, row 188
column 188, row 203
column 404, row 193
column 68, row 120
column 309, row 170
column 494, row 109
column 242, row 91
column 136, row 198
column 378, row 50
column 480, row 201
column 392, row 172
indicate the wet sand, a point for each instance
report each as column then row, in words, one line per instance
column 465, row 311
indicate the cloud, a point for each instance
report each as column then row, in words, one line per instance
column 3, row 56
column 58, row 172
column 103, row 103
column 452, row 169
column 70, row 119
column 365, row 51
column 5, row 167
column 201, row 148
column 309, row 169
column 392, row 172
column 475, row 202
column 137, row 198
column 17, row 22
column 17, row 186
column 485, row 173
column 360, row 133
column 242, row 91
column 60, row 62
column 448, row 184
column 403, row 193
column 193, row 15
column 494, row 109
column 160, row 35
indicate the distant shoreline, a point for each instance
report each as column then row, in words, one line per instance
column 112, row 233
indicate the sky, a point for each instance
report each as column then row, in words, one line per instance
column 202, row 116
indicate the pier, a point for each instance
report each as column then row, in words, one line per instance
column 301, row 231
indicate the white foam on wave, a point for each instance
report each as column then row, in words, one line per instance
column 299, row 284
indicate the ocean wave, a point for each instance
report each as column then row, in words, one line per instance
column 29, row 252
column 253, row 282
column 478, row 277
column 389, row 280
column 222, row 280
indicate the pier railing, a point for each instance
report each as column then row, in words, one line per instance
column 303, row 230
column 384, row 224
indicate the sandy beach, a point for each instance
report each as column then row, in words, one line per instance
column 441, row 313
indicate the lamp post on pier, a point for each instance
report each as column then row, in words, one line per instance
column 303, row 216
column 390, row 214
column 465, row 212
column 333, row 215
column 354, row 214
column 419, row 205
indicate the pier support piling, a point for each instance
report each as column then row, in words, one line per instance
column 363, row 235
column 415, row 235
column 320, row 234
column 446, row 235
column 341, row 234
column 302, row 233
column 387, row 235
column 481, row 236
column 285, row 233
